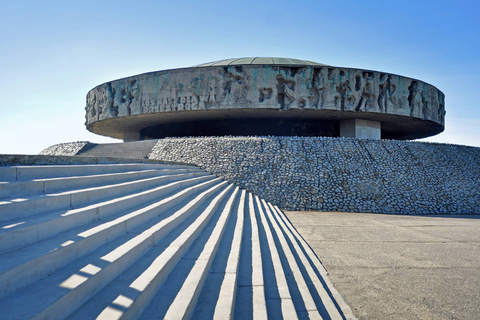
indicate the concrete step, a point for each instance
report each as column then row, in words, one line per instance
column 17, row 173
column 186, row 298
column 133, row 150
column 224, row 271
column 22, row 267
column 144, row 285
column 188, row 246
column 333, row 303
column 126, row 251
column 219, row 298
column 283, row 296
column 15, row 189
column 20, row 232
column 30, row 205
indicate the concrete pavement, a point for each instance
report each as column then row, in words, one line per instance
column 399, row 266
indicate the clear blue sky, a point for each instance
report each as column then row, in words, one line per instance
column 53, row 52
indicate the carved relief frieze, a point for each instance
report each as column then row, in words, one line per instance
column 266, row 86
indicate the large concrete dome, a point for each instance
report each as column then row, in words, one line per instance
column 265, row 96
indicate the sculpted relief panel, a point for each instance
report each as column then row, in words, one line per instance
column 274, row 87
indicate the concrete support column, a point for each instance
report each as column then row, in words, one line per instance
column 132, row 136
column 361, row 129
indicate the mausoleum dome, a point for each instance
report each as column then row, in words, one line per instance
column 265, row 96
column 261, row 61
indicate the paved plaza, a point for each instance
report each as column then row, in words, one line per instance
column 399, row 266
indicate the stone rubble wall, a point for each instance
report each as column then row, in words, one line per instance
column 66, row 149
column 340, row 174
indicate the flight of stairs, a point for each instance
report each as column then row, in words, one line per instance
column 131, row 150
column 150, row 241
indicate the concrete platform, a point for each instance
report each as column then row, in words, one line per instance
column 397, row 266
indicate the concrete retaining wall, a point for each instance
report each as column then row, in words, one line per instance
column 340, row 174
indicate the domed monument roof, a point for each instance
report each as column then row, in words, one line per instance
column 261, row 61
column 265, row 96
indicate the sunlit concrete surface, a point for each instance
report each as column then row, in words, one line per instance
column 150, row 241
column 399, row 266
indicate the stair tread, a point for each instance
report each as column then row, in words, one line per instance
column 298, row 278
column 54, row 214
column 111, row 300
column 83, row 189
column 117, row 250
column 183, row 304
column 65, row 244
column 226, row 299
column 283, row 292
column 159, row 269
column 77, row 197
column 10, row 259
column 51, row 171
column 148, row 241
column 136, row 150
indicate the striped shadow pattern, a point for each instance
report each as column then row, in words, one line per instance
column 151, row 241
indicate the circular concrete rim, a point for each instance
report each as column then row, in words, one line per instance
column 412, row 127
